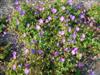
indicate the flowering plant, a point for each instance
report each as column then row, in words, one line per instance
column 55, row 39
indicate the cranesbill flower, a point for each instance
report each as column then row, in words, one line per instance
column 56, row 53
column 62, row 59
column 77, row 28
column 38, row 27
column 66, row 49
column 22, row 12
column 18, row 8
column 16, row 2
column 91, row 72
column 80, row 64
column 70, row 2
column 79, row 5
column 69, row 29
column 46, row 21
column 39, row 51
column 14, row 54
column 53, row 10
column 14, row 67
column 72, row 17
column 27, row 65
column 74, row 35
column 40, row 21
column 61, row 32
column 82, row 37
column 49, row 18
column 33, row 51
column 62, row 18
column 26, row 71
column 82, row 16
column 74, row 51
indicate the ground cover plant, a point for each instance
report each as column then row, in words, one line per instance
column 52, row 39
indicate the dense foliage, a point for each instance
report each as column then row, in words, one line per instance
column 56, row 39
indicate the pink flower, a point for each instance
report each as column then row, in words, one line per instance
column 65, row 49
column 69, row 29
column 82, row 37
column 72, row 17
column 46, row 21
column 70, row 2
column 74, row 51
column 61, row 32
column 40, row 21
column 53, row 10
column 77, row 29
column 16, row 2
column 62, row 18
column 80, row 64
column 38, row 27
column 49, row 18
column 56, row 53
column 26, row 71
column 14, row 55
column 14, row 67
column 62, row 59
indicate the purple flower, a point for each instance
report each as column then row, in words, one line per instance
column 61, row 32
column 82, row 16
column 66, row 49
column 33, row 51
column 69, row 29
column 79, row 5
column 14, row 54
column 14, row 67
column 74, row 51
column 46, row 21
column 40, row 7
column 40, row 21
column 72, row 17
column 26, row 71
column 16, row 2
column 74, row 35
column 22, row 12
column 91, row 72
column 27, row 65
column 53, row 10
column 77, row 29
column 82, row 37
column 62, row 59
column 38, row 27
column 62, row 18
column 40, row 51
column 18, row 8
column 70, row 2
column 80, row 64
column 49, row 18
column 56, row 53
